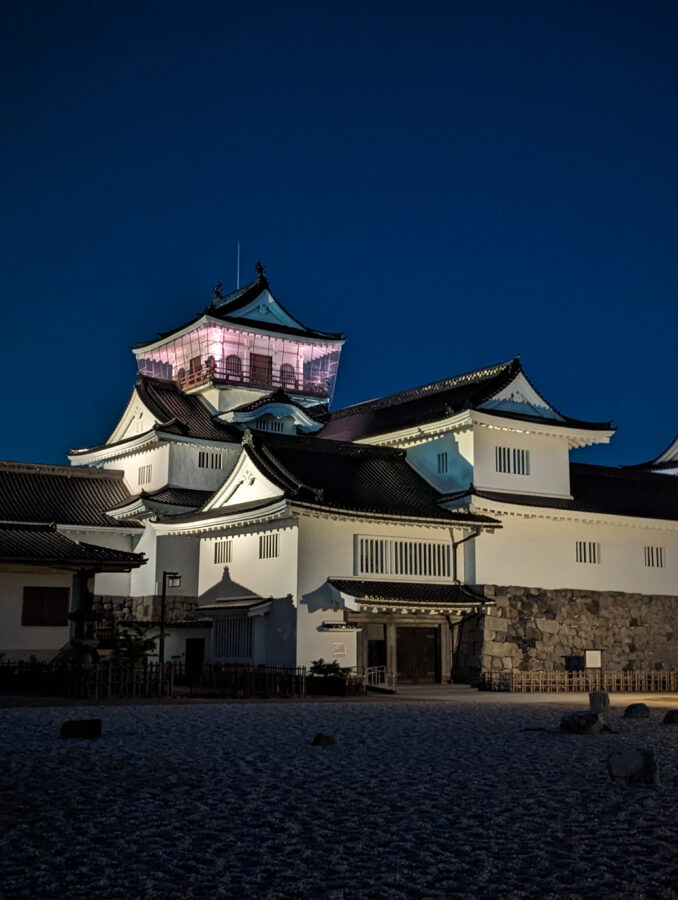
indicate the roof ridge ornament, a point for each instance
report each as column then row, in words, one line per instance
column 260, row 270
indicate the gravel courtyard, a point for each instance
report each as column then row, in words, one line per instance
column 415, row 800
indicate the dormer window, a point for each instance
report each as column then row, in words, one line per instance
column 270, row 423
column 512, row 461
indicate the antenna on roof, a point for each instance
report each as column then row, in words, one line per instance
column 237, row 268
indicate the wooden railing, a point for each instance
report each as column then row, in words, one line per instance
column 253, row 378
column 241, row 681
column 642, row 681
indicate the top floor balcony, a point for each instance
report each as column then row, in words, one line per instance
column 258, row 372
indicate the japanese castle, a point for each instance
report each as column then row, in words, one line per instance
column 438, row 533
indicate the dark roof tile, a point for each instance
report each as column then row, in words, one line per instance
column 44, row 545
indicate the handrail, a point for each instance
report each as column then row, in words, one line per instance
column 206, row 374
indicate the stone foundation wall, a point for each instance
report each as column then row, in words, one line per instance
column 146, row 609
column 534, row 628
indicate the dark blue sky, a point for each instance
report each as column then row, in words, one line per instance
column 450, row 184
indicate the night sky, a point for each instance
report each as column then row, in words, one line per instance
column 449, row 184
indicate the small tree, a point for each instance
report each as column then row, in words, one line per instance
column 133, row 644
column 325, row 669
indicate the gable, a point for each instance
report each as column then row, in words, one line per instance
column 136, row 420
column 265, row 308
column 520, row 398
column 245, row 484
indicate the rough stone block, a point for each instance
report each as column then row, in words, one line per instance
column 637, row 711
column 638, row 768
column 599, row 702
column 582, row 723
column 81, row 728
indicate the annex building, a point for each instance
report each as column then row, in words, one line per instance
column 440, row 532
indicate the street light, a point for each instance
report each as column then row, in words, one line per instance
column 173, row 580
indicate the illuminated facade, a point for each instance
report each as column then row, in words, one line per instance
column 440, row 530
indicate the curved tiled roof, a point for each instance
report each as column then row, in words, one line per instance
column 31, row 492
column 605, row 490
column 44, row 545
column 432, row 403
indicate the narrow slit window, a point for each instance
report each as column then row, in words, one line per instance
column 442, row 464
column 269, row 546
column 222, row 552
column 145, row 474
column 655, row 557
column 587, row 552
column 512, row 460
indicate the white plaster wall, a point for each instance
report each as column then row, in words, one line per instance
column 142, row 580
column 326, row 548
column 549, row 462
column 115, row 584
column 19, row 641
column 177, row 553
column 185, row 472
column 157, row 457
column 459, row 448
column 274, row 641
column 538, row 552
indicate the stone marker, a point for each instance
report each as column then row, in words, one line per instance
column 323, row 740
column 638, row 768
column 582, row 723
column 637, row 711
column 599, row 702
column 81, row 728
column 671, row 717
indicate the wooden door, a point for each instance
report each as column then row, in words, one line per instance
column 261, row 370
column 417, row 654
column 195, row 655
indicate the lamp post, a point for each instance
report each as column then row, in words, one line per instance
column 173, row 580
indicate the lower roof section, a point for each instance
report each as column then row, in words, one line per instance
column 406, row 593
column 43, row 545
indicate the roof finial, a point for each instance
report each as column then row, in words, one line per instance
column 260, row 269
column 216, row 291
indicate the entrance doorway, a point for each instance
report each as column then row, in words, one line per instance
column 195, row 655
column 418, row 654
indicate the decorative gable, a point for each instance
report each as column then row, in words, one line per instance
column 521, row 398
column 136, row 420
column 245, row 484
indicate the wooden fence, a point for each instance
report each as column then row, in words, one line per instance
column 240, row 681
column 643, row 681
column 98, row 681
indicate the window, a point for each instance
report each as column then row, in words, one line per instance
column 145, row 474
column 511, row 460
column 269, row 423
column 222, row 551
column 233, row 638
column 654, row 557
column 45, row 606
column 268, row 546
column 386, row 556
column 442, row 464
column 587, row 552
column 287, row 376
column 233, row 366
column 209, row 460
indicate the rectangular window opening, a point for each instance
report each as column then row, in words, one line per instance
column 269, row 546
column 145, row 474
column 46, row 606
column 512, row 461
column 655, row 557
column 587, row 552
column 391, row 556
column 222, row 552
column 442, row 464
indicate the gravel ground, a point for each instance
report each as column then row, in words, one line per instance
column 415, row 800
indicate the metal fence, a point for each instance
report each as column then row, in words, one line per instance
column 642, row 681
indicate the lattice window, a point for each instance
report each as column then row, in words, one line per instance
column 442, row 464
column 208, row 460
column 388, row 556
column 587, row 552
column 145, row 474
column 655, row 557
column 223, row 551
column 269, row 423
column 269, row 546
column 233, row 638
column 511, row 460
